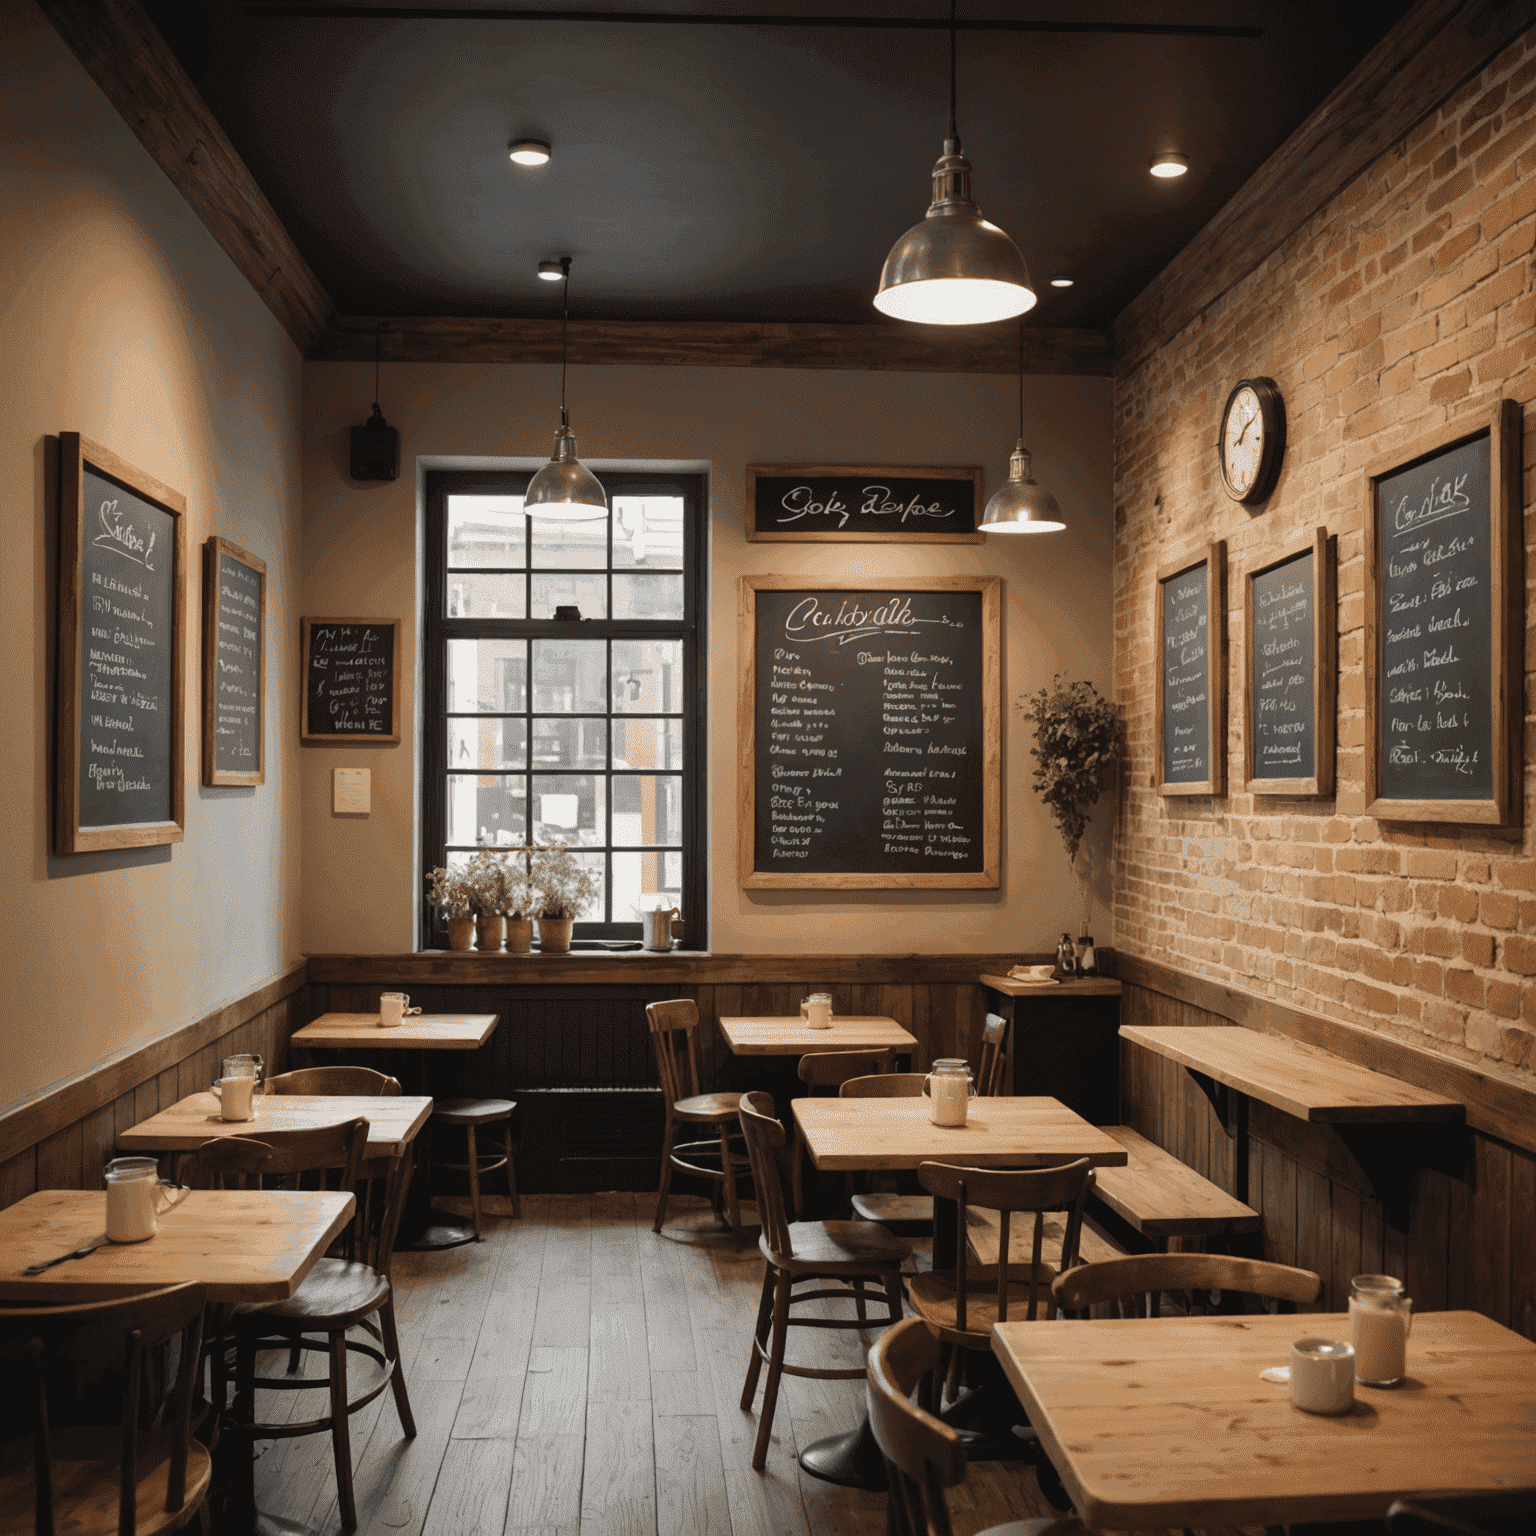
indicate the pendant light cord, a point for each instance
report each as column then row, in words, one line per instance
column 1021, row 381
column 565, row 332
column 378, row 333
column 954, row 132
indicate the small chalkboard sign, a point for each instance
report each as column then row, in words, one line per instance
column 870, row 742
column 1191, row 650
column 834, row 503
column 1444, row 626
column 1290, row 676
column 351, row 672
column 234, row 664
column 121, row 616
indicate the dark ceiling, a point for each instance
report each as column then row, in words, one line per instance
column 746, row 172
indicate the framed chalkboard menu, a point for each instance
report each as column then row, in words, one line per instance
column 1191, row 651
column 1444, row 625
column 234, row 664
column 870, row 751
column 838, row 503
column 351, row 670
column 122, row 586
column 1290, row 673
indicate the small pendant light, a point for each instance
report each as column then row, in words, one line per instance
column 375, row 444
column 954, row 268
column 565, row 489
column 1022, row 506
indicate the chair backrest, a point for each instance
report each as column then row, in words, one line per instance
column 764, row 1137
column 886, row 1085
column 1064, row 1188
column 1146, row 1274
column 994, row 1056
column 831, row 1069
column 923, row 1455
column 673, row 1025
column 346, row 1081
column 61, row 1346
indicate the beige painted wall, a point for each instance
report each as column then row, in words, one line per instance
column 360, row 558
column 120, row 318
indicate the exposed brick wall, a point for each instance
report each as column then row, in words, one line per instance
column 1406, row 301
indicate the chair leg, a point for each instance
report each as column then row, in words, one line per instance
column 858, row 1301
column 797, row 1176
column 473, row 1159
column 893, row 1294
column 397, row 1376
column 517, row 1204
column 759, row 1336
column 775, row 1371
column 666, row 1174
column 952, row 1382
column 732, row 1205
column 341, row 1432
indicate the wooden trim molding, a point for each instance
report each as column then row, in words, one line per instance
column 125, row 55
column 1421, row 61
column 1495, row 1106
column 32, row 1120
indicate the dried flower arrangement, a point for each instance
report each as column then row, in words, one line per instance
column 1079, row 736
column 450, row 890
column 561, row 887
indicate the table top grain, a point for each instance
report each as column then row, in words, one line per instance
column 187, row 1124
column 420, row 1032
column 790, row 1035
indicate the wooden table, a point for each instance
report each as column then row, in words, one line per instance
column 1062, row 1041
column 1156, row 1422
column 392, row 1122
column 792, row 1036
column 1232, row 1065
column 421, row 1032
column 244, row 1245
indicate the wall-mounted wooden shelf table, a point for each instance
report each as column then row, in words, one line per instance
column 792, row 1036
column 421, row 1032
column 1062, row 1041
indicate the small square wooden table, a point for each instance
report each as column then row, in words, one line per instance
column 793, row 1036
column 1156, row 1422
column 187, row 1124
column 420, row 1032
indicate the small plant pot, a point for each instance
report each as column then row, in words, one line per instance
column 461, row 933
column 490, row 931
column 555, row 934
column 519, row 935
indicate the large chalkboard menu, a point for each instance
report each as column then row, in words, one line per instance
column 351, row 680
column 870, row 747
column 121, row 588
column 234, row 664
column 1444, row 626
column 832, row 503
column 1192, row 674
column 1289, row 629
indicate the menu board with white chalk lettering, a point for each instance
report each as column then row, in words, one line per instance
column 804, row 503
column 234, row 664
column 351, row 672
column 869, row 733
column 1192, row 675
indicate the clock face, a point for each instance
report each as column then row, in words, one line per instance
column 1242, row 442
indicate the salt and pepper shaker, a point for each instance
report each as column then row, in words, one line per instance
column 1066, row 956
column 1087, row 957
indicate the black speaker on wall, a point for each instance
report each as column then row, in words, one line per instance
column 375, row 449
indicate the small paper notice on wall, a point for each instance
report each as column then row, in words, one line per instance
column 351, row 791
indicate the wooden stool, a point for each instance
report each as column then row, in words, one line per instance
column 469, row 1113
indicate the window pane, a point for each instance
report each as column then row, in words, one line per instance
column 487, row 742
column 487, row 676
column 565, row 743
column 572, row 546
column 486, row 531
column 647, row 597
column 486, row 597
column 570, row 808
column 487, row 808
column 647, row 677
column 648, row 532
column 588, row 593
column 644, row 881
column 570, row 676
column 647, row 810
column 648, row 743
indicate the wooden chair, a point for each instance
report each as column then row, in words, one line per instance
column 1145, row 1276
column 139, row 1477
column 830, row 1069
column 467, row 1115
column 994, row 1056
column 923, row 1455
column 349, row 1291
column 353, row 1082
column 673, row 1027
column 886, row 1085
column 849, row 1251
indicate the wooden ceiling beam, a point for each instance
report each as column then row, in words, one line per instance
column 1437, row 47
column 126, row 56
column 718, row 344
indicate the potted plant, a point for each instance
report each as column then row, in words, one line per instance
column 519, row 904
column 486, row 874
column 561, row 889
column 450, row 890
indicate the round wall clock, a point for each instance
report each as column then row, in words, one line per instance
column 1252, row 440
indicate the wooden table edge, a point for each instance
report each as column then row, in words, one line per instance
column 1088, row 986
column 134, row 1140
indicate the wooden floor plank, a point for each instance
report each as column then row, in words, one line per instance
column 690, row 1479
column 618, row 1483
column 471, row 1495
column 546, row 1481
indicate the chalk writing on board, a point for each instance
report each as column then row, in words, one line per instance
column 1186, row 678
column 854, row 503
column 350, row 679
column 237, row 667
column 1283, row 670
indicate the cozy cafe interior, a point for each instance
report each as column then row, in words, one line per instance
column 767, row 767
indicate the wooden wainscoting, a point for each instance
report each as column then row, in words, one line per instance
column 61, row 1139
column 1468, row 1238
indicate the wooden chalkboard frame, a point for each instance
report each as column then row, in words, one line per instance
column 1325, row 674
column 214, row 548
column 1214, row 558
column 348, row 738
column 76, row 453
column 990, row 875
column 1506, row 552
column 971, row 472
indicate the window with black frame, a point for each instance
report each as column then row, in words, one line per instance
column 543, row 727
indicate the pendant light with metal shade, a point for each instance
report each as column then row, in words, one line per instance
column 954, row 268
column 565, row 489
column 1022, row 506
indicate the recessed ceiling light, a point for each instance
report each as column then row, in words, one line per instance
column 551, row 271
column 528, row 152
column 1061, row 280
column 1168, row 165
